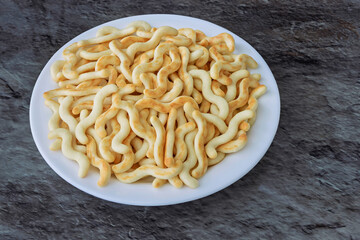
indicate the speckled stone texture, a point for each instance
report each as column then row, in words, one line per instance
column 306, row 187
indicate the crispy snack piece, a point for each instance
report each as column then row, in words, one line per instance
column 54, row 122
column 253, row 101
column 190, row 162
column 155, row 64
column 221, row 38
column 174, row 91
column 203, row 57
column 114, row 34
column 69, row 151
column 104, row 73
column 199, row 146
column 183, row 74
column 96, row 161
column 137, row 127
column 125, row 129
column 209, row 95
column 95, row 113
column 159, row 142
column 113, row 110
column 150, row 170
column 105, row 144
column 104, row 61
column 218, row 122
column 170, row 138
column 234, row 145
column 180, row 146
column 165, row 107
column 71, row 59
column 56, row 69
column 164, row 72
column 128, row 158
column 70, row 92
column 229, row 134
column 235, row 77
column 218, row 159
column 154, row 41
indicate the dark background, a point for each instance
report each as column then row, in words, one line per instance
column 306, row 187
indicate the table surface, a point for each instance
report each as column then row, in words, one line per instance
column 307, row 186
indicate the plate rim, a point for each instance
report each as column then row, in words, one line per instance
column 144, row 202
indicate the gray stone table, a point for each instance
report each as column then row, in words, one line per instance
column 307, row 186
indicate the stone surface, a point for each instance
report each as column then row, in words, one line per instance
column 306, row 187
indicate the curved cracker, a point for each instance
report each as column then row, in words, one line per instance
column 115, row 34
column 229, row 134
column 214, row 119
column 180, row 146
column 150, row 170
column 199, row 146
column 54, row 122
column 70, row 92
column 136, row 125
column 175, row 91
column 128, row 158
column 96, row 161
column 96, row 111
column 201, row 61
column 209, row 95
column 234, row 145
column 180, row 41
column 235, row 77
column 164, row 107
column 163, row 74
column 104, row 61
column 188, row 32
column 219, row 158
column 221, row 38
column 183, row 74
column 190, row 162
column 154, row 40
column 155, row 64
column 116, row 143
column 105, row 144
column 159, row 142
column 69, row 151
column 71, row 59
column 56, row 70
column 104, row 73
column 170, row 138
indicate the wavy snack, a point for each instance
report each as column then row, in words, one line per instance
column 159, row 102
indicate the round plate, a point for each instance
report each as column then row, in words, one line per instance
column 218, row 177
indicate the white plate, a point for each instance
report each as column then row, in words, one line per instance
column 231, row 169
